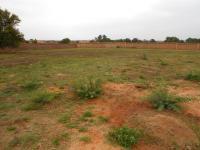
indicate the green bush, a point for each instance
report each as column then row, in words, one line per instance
column 161, row 99
column 193, row 76
column 88, row 89
column 39, row 100
column 31, row 85
column 124, row 136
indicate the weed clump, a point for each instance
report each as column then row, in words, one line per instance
column 40, row 100
column 193, row 76
column 31, row 85
column 85, row 139
column 88, row 89
column 124, row 136
column 161, row 99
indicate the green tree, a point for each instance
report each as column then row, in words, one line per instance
column 193, row 40
column 10, row 36
column 65, row 41
column 172, row 39
column 102, row 38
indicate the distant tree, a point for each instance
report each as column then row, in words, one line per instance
column 135, row 40
column 193, row 40
column 102, row 38
column 9, row 34
column 152, row 41
column 127, row 40
column 65, row 41
column 34, row 41
column 172, row 39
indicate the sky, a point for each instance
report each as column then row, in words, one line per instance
column 86, row 19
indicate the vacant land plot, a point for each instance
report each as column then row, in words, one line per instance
column 40, row 107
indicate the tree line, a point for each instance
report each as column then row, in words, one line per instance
column 104, row 38
column 10, row 36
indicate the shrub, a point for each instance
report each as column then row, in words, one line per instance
column 124, row 136
column 38, row 101
column 85, row 139
column 65, row 41
column 161, row 99
column 31, row 85
column 193, row 76
column 43, row 98
column 88, row 89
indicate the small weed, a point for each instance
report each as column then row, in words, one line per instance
column 6, row 106
column 163, row 63
column 88, row 89
column 65, row 118
column 43, row 98
column 86, row 115
column 144, row 57
column 25, row 140
column 31, row 85
column 103, row 119
column 11, row 128
column 82, row 129
column 124, row 136
column 161, row 99
column 39, row 100
column 85, row 139
column 193, row 76
column 56, row 141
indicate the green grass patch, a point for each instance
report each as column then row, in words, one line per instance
column 25, row 140
column 124, row 136
column 31, row 85
column 103, row 119
column 193, row 76
column 56, row 141
column 11, row 128
column 88, row 89
column 85, row 139
column 161, row 99
column 86, row 115
column 40, row 100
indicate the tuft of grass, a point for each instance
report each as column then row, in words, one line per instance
column 25, row 140
column 86, row 115
column 65, row 118
column 193, row 76
column 6, row 106
column 161, row 99
column 144, row 57
column 124, row 136
column 56, row 141
column 31, row 85
column 163, row 63
column 88, row 89
column 83, row 129
column 11, row 128
column 103, row 119
column 39, row 100
column 85, row 139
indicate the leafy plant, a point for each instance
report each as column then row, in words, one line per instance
column 161, row 99
column 39, row 100
column 193, row 76
column 88, row 89
column 85, row 139
column 124, row 136
column 31, row 85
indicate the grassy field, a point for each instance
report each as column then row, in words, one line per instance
column 40, row 110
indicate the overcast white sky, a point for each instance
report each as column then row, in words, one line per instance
column 85, row 19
